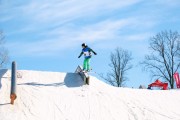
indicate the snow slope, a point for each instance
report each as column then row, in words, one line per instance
column 62, row 96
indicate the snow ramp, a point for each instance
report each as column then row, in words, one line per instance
column 63, row 96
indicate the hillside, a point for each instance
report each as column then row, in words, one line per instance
column 45, row 95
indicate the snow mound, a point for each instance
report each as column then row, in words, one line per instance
column 62, row 96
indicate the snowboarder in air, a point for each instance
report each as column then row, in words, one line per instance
column 87, row 56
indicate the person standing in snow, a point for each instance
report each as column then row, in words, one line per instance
column 87, row 56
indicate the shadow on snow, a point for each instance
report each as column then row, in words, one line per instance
column 70, row 80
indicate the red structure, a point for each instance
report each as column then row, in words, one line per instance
column 158, row 83
column 176, row 76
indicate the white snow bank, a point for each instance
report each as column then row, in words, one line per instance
column 62, row 96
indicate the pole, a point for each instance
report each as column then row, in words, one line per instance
column 13, row 83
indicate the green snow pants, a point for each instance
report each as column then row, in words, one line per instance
column 86, row 65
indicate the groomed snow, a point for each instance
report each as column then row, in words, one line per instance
column 62, row 96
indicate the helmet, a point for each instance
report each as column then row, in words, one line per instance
column 84, row 44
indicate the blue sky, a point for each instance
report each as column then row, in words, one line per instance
column 47, row 35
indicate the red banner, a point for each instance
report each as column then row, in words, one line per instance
column 176, row 76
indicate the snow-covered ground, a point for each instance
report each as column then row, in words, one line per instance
column 62, row 96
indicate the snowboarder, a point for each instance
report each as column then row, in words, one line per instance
column 87, row 56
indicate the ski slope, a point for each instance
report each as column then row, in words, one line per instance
column 62, row 96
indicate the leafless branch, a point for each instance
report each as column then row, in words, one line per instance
column 3, row 52
column 120, row 64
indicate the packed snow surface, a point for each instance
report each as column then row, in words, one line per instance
column 45, row 95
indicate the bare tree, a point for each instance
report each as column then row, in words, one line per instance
column 164, row 59
column 3, row 51
column 120, row 64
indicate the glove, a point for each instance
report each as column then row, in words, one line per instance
column 79, row 56
column 95, row 53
